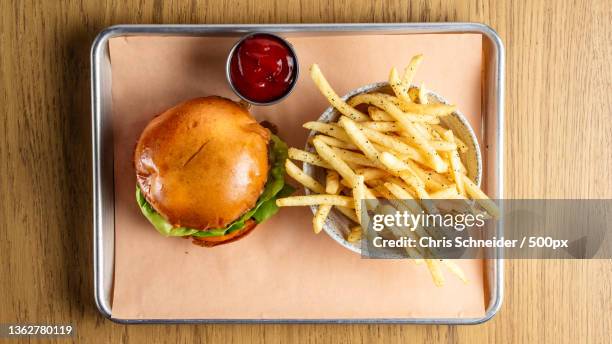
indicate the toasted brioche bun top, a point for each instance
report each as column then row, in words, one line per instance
column 203, row 163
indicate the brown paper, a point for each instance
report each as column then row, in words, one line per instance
column 282, row 270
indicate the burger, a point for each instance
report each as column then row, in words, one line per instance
column 207, row 170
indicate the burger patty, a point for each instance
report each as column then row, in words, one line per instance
column 249, row 225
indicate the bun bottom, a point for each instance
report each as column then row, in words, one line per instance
column 249, row 225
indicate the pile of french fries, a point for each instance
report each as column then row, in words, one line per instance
column 398, row 150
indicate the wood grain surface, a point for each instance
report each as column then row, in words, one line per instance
column 558, row 137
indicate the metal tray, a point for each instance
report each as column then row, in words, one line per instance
column 102, row 147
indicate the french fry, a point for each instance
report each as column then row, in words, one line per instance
column 432, row 134
column 374, row 183
column 319, row 218
column 352, row 165
column 334, row 142
column 458, row 204
column 331, row 157
column 394, row 165
column 480, row 197
column 332, row 187
column 417, row 185
column 296, row 173
column 382, row 126
column 405, row 173
column 431, row 109
column 328, row 129
column 413, row 92
column 455, row 163
column 384, row 192
column 296, row 201
column 401, row 91
column 384, row 102
column 375, row 191
column 358, row 197
column 436, row 273
column 310, row 158
column 423, row 145
column 446, row 193
column 332, row 96
column 462, row 168
column 441, row 130
column 422, row 95
column 455, row 269
column 354, row 157
column 378, row 114
column 332, row 182
column 369, row 194
column 346, row 183
column 392, row 142
column 423, row 130
column 437, row 145
column 400, row 193
column 410, row 71
column 348, row 212
column 400, row 182
column 443, row 146
column 410, row 154
column 355, row 234
column 370, row 173
column 433, row 180
column 354, row 131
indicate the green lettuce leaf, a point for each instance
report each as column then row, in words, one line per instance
column 276, row 178
column 268, row 208
column 264, row 208
column 158, row 221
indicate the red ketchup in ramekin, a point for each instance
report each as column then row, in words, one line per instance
column 262, row 68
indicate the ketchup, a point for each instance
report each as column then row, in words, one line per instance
column 262, row 68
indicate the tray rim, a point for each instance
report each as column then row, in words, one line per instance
column 96, row 54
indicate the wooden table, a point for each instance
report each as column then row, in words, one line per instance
column 558, row 137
